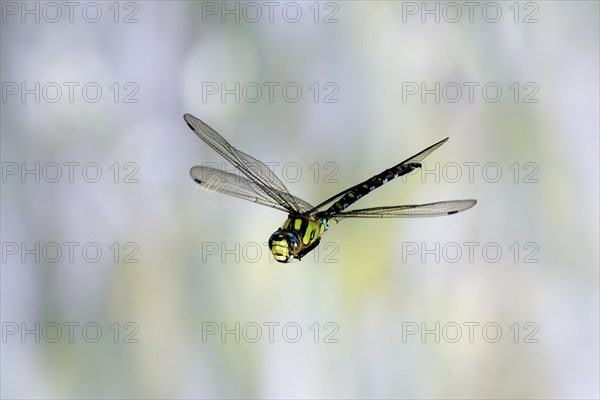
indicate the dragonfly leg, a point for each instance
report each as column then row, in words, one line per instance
column 307, row 249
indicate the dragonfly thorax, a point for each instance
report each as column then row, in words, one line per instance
column 298, row 235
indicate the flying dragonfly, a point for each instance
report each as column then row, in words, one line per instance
column 301, row 232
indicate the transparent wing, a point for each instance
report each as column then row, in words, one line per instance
column 410, row 211
column 255, row 170
column 416, row 159
column 238, row 186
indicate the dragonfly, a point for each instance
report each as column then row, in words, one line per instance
column 302, row 230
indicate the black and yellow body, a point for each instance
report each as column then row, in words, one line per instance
column 302, row 231
column 298, row 236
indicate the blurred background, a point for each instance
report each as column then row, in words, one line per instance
column 121, row 278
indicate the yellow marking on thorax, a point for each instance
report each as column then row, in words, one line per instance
column 310, row 234
column 313, row 231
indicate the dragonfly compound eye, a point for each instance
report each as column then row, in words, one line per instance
column 293, row 241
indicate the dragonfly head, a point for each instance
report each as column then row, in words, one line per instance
column 284, row 243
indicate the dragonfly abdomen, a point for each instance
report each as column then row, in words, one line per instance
column 366, row 187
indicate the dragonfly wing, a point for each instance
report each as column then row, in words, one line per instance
column 238, row 186
column 410, row 211
column 417, row 158
column 255, row 170
column 357, row 191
